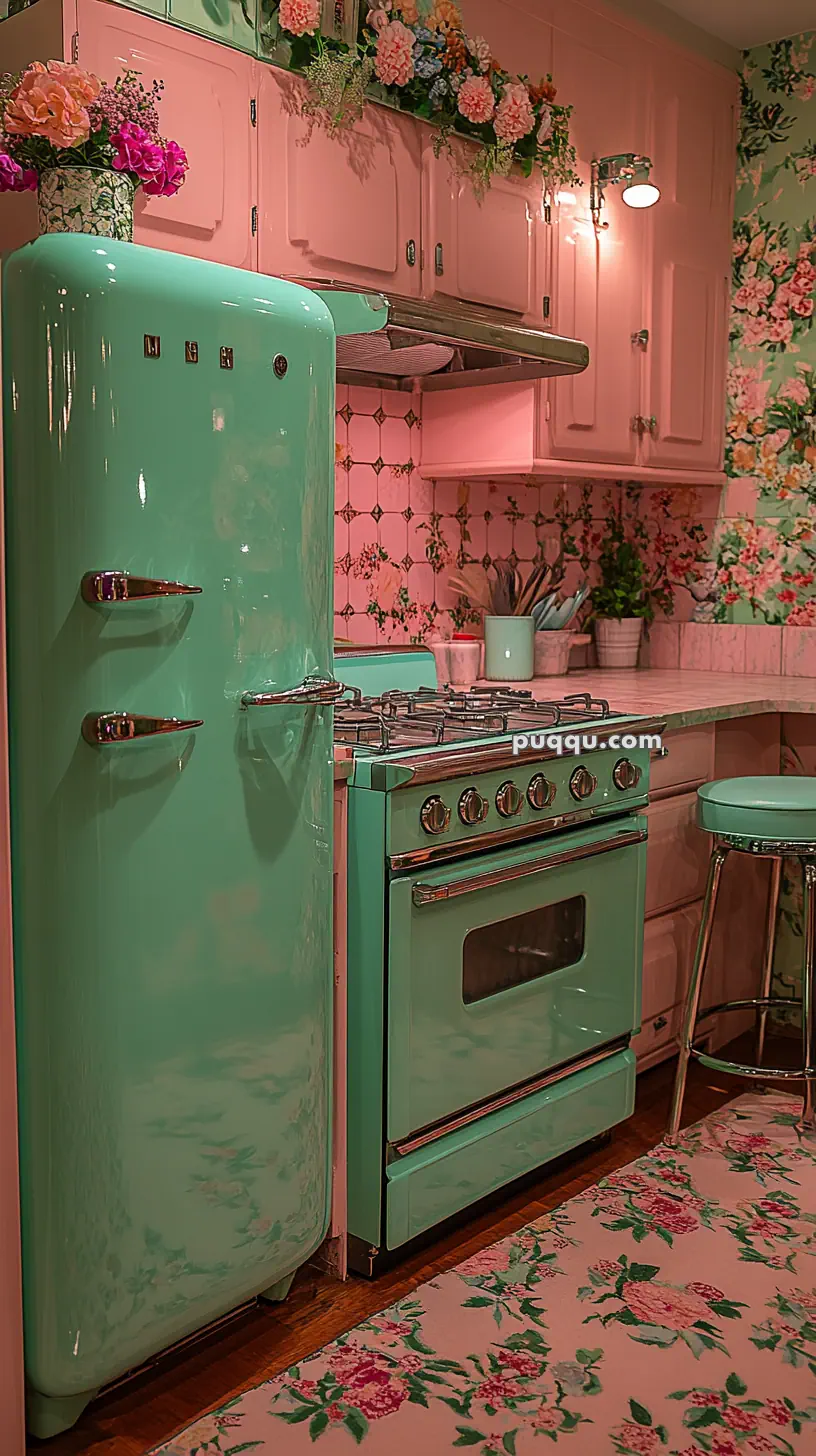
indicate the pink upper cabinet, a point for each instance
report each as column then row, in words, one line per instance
column 480, row 250
column 599, row 287
column 693, row 152
column 205, row 108
column 342, row 207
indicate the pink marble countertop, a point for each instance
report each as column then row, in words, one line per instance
column 682, row 696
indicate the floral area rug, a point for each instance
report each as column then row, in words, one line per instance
column 669, row 1309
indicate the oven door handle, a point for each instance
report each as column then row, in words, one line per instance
column 429, row 894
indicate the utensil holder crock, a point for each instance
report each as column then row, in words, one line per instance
column 509, row 648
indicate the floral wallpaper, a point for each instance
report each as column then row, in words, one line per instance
column 766, row 544
column 397, row 536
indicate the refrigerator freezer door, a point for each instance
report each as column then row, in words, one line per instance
column 172, row 891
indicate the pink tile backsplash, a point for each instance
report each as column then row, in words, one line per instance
column 799, row 652
column 763, row 649
column 727, row 648
column 695, row 646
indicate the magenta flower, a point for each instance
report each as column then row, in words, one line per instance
column 167, row 182
column 13, row 178
column 135, row 151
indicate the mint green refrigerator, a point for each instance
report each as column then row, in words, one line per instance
column 169, row 444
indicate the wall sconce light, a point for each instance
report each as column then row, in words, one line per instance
column 627, row 168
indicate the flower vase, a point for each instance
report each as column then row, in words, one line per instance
column 618, row 642
column 94, row 200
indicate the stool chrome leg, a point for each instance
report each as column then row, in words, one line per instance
column 767, row 965
column 808, row 1123
column 715, row 864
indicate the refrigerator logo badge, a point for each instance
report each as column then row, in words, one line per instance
column 226, row 357
column 152, row 346
column 191, row 351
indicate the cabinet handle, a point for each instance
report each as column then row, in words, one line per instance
column 651, row 426
column 641, row 338
column 661, row 752
column 659, row 1023
column 439, row 260
column 410, row 252
column 638, row 425
column 314, row 689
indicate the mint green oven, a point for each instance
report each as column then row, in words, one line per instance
column 504, row 966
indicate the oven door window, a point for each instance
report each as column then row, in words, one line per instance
column 523, row 948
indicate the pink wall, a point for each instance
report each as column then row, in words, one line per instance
column 396, row 535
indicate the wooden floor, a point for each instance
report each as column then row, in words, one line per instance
column 150, row 1408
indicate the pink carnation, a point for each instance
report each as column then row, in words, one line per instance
column 299, row 17
column 514, row 116
column 13, row 178
column 394, row 63
column 160, row 168
column 476, row 100
column 174, row 170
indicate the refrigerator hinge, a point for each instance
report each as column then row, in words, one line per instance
column 75, row 46
column 254, row 221
column 253, row 111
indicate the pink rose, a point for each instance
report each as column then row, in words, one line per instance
column 776, row 1412
column 476, row 100
column 520, row 1361
column 498, row 1389
column 667, row 1212
column 608, row 1267
column 394, row 62
column 661, row 1304
column 642, row 1439
column 380, row 1394
column 13, row 178
column 51, row 102
column 704, row 1398
column 797, row 390
column 548, row 1419
column 493, row 1259
column 708, row 1292
column 739, row 1419
column 299, row 17
column 377, row 19
column 514, row 114
column 781, row 331
column 723, row 1444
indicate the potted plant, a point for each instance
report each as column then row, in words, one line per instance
column 84, row 147
column 621, row 601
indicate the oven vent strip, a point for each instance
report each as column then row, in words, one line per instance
column 439, row 1130
column 428, row 894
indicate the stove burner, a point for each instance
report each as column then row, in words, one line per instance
column 439, row 716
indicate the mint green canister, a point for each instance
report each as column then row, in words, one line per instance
column 509, row 648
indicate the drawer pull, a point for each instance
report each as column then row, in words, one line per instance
column 660, row 1023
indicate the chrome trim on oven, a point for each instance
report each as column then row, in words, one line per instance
column 439, row 1130
column 449, row 763
column 430, row 894
column 497, row 838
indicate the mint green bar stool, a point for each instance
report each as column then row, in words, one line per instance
column 774, row 818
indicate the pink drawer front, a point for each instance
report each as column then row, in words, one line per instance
column 690, row 759
column 668, row 947
column 677, row 859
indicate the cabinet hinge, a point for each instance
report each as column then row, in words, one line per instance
column 254, row 221
column 75, row 46
column 546, row 409
column 547, row 212
column 253, row 111
column 545, row 305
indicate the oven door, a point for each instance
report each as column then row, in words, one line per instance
column 503, row 966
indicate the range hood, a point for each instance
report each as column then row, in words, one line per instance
column 409, row 343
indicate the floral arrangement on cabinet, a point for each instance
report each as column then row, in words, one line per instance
column 419, row 55
column 85, row 145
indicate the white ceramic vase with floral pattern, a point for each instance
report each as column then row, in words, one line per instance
column 86, row 200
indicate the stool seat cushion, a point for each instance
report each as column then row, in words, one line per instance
column 772, row 808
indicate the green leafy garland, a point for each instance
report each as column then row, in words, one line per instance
column 417, row 55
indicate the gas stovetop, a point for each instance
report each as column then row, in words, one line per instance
column 441, row 717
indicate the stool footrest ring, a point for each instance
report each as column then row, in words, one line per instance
column 738, row 1069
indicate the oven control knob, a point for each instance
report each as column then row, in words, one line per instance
column 540, row 792
column 582, row 783
column 509, row 799
column 473, row 807
column 625, row 774
column 434, row 816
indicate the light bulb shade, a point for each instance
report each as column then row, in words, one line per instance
column 640, row 194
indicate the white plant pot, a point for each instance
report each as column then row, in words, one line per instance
column 618, row 643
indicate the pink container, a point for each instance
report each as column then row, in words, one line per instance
column 465, row 663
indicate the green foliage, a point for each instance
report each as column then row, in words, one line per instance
column 623, row 589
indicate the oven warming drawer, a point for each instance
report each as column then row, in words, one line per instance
column 445, row 1176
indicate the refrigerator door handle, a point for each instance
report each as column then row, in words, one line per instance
column 315, row 689
column 101, row 729
column 104, row 587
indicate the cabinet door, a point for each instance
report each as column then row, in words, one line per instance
column 693, row 155
column 205, row 107
column 598, row 293
column 344, row 207
column 231, row 21
column 482, row 250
